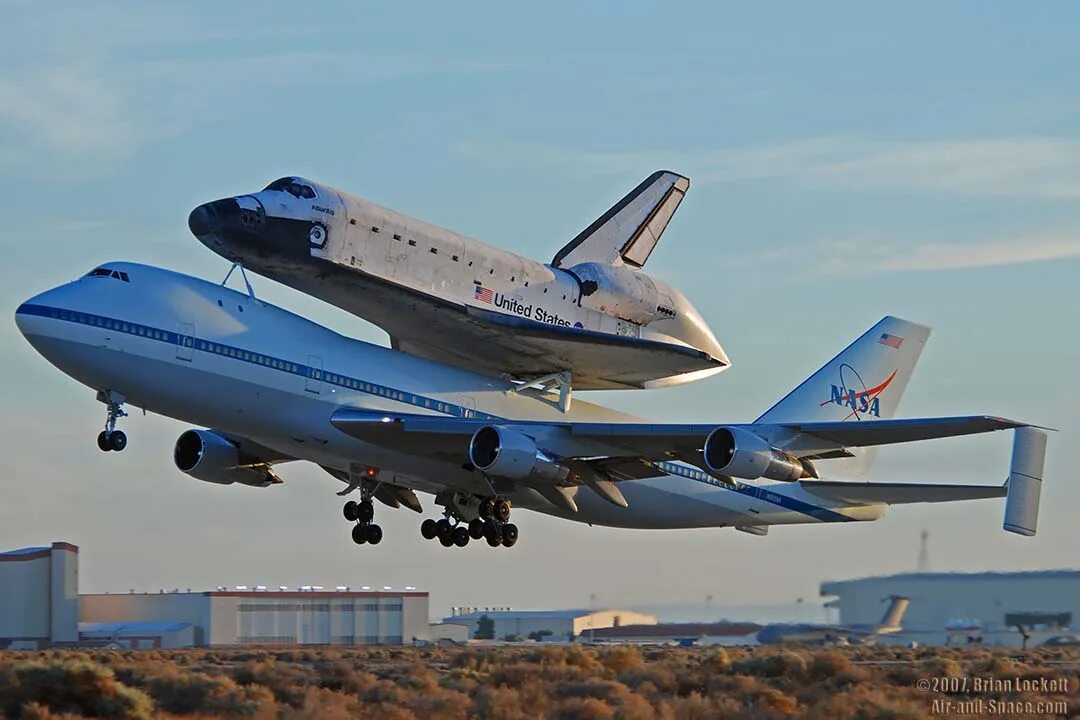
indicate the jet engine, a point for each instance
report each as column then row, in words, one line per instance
column 743, row 454
column 205, row 455
column 507, row 453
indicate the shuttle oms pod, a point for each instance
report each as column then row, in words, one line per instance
column 591, row 318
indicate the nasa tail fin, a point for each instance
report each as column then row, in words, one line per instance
column 894, row 614
column 630, row 230
column 864, row 382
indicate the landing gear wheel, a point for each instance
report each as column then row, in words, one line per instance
column 117, row 440
column 487, row 505
column 365, row 511
column 494, row 540
column 429, row 529
column 374, row 534
column 349, row 511
column 509, row 535
column 447, row 540
column 476, row 528
column 443, row 528
column 103, row 441
column 359, row 534
column 502, row 510
column 461, row 536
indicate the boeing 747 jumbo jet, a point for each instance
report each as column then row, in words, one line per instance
column 272, row 387
column 591, row 319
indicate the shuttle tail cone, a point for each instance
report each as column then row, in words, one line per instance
column 1025, row 481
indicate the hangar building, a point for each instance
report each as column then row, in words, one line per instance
column 256, row 617
column 39, row 596
column 40, row 606
column 555, row 624
column 989, row 605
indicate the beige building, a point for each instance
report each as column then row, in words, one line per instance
column 554, row 624
column 39, row 596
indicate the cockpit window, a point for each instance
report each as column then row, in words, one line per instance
column 108, row 273
column 294, row 188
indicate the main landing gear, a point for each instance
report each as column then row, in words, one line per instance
column 363, row 514
column 492, row 525
column 110, row 438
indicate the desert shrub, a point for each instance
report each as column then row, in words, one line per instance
column 783, row 664
column 496, row 703
column 196, row 692
column 622, row 658
column 78, row 686
column 828, row 664
column 584, row 709
column 718, row 660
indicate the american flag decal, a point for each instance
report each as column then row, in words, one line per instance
column 893, row 341
column 484, row 294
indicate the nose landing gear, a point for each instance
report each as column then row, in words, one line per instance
column 110, row 438
column 363, row 514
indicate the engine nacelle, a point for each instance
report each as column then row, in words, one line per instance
column 743, row 454
column 507, row 453
column 207, row 456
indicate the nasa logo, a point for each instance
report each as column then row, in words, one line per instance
column 853, row 394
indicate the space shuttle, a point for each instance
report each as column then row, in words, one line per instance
column 590, row 319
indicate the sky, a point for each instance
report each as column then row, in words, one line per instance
column 847, row 162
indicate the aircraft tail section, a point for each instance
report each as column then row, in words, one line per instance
column 630, row 230
column 894, row 614
column 864, row 382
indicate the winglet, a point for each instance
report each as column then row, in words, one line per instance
column 1025, row 481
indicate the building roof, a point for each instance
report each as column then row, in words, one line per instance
column 24, row 551
column 721, row 629
column 33, row 553
column 530, row 614
column 132, row 628
column 280, row 594
column 1063, row 574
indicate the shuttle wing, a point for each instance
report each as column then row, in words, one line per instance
column 630, row 230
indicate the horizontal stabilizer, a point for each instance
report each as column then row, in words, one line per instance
column 630, row 230
column 865, row 493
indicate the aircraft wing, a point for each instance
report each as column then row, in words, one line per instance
column 430, row 434
column 858, row 493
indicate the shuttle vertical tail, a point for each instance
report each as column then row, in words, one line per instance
column 629, row 231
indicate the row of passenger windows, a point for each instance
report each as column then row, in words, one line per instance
column 257, row 358
column 109, row 324
column 246, row 356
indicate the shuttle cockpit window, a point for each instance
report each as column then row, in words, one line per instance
column 294, row 188
column 107, row 273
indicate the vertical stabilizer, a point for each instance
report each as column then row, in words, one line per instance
column 864, row 382
column 629, row 231
column 894, row 614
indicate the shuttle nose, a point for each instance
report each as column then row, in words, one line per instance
column 223, row 220
column 202, row 220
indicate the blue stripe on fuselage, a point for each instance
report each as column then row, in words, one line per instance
column 420, row 401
